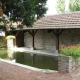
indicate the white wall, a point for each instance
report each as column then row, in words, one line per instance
column 45, row 40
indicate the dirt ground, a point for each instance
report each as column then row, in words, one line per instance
column 13, row 72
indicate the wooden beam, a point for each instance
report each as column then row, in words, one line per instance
column 30, row 32
column 57, row 33
column 60, row 32
column 33, row 33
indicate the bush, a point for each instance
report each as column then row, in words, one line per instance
column 10, row 37
column 72, row 50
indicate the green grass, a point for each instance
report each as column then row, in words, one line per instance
column 3, row 53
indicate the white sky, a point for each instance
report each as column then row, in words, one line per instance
column 66, row 4
column 51, row 4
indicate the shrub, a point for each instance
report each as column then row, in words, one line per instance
column 72, row 50
column 10, row 37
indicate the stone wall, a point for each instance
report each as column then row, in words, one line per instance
column 10, row 43
column 45, row 40
column 66, row 63
column 70, row 37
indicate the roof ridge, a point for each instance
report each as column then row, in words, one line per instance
column 63, row 13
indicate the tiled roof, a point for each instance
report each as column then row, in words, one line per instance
column 60, row 21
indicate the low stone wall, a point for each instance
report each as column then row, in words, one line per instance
column 67, row 63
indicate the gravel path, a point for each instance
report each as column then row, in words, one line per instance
column 13, row 72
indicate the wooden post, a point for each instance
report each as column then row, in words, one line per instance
column 33, row 35
column 57, row 33
column 57, row 39
column 33, row 39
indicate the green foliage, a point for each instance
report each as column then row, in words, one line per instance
column 73, row 50
column 3, row 53
column 74, row 5
column 10, row 37
column 40, row 8
column 19, row 10
column 3, row 43
column 61, row 6
column 7, row 19
column 24, row 10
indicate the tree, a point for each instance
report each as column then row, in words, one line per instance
column 60, row 6
column 72, row 5
column 23, row 10
column 40, row 8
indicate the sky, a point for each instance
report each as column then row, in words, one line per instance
column 51, row 4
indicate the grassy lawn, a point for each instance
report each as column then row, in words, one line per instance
column 3, row 53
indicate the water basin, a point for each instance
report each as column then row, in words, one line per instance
column 42, row 61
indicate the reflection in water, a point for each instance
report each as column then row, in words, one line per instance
column 10, row 53
column 35, row 60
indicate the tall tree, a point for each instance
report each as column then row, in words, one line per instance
column 60, row 6
column 24, row 10
column 40, row 8
column 74, row 5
